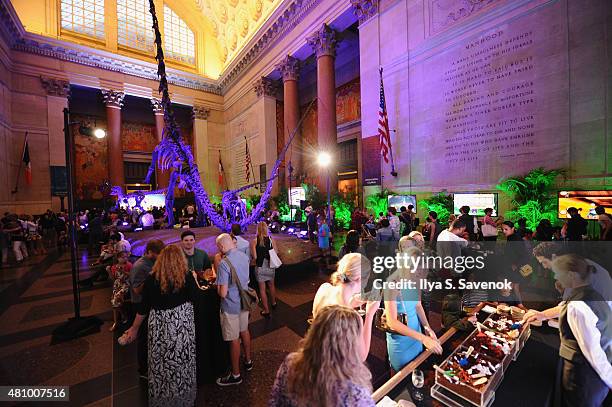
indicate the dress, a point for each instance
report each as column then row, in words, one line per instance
column 402, row 349
column 121, row 285
column 263, row 271
column 171, row 340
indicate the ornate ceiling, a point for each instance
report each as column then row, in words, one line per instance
column 234, row 22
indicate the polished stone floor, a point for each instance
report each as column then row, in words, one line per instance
column 37, row 296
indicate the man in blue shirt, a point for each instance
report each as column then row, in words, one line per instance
column 234, row 320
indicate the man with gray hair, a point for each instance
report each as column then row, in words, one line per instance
column 234, row 320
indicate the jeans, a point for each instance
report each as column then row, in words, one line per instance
column 20, row 250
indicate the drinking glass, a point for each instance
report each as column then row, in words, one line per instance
column 418, row 380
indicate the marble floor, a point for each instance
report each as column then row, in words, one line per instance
column 37, row 297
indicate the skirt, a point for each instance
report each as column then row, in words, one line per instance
column 265, row 273
column 172, row 357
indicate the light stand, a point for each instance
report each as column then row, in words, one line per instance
column 77, row 326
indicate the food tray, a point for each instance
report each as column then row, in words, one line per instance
column 458, row 394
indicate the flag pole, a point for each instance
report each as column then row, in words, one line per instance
column 25, row 141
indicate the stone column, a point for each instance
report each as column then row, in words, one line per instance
column 266, row 90
column 114, row 101
column 323, row 42
column 161, row 177
column 58, row 91
column 200, row 115
column 289, row 68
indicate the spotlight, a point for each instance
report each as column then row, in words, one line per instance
column 99, row 133
column 91, row 132
column 283, row 228
column 290, row 230
column 125, row 223
column 323, row 159
column 137, row 229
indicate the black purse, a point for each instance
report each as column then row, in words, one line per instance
column 380, row 320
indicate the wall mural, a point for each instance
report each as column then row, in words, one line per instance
column 138, row 137
column 348, row 109
column 348, row 102
column 91, row 160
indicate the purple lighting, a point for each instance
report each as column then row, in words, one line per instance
column 172, row 152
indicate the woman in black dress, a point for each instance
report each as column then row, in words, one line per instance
column 167, row 296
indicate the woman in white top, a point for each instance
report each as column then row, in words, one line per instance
column 345, row 289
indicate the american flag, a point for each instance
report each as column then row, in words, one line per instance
column 247, row 161
column 220, row 171
column 383, row 123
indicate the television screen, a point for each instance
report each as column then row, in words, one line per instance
column 397, row 201
column 585, row 202
column 477, row 203
column 298, row 194
column 149, row 201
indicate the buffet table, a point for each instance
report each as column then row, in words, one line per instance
column 529, row 380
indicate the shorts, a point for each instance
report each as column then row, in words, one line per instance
column 233, row 324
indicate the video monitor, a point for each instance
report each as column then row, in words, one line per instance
column 149, row 201
column 585, row 202
column 397, row 201
column 477, row 202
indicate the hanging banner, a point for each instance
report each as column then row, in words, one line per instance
column 370, row 155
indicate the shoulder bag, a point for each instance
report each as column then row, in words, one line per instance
column 248, row 298
column 275, row 261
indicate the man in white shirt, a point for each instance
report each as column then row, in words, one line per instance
column 586, row 335
column 450, row 241
column 122, row 244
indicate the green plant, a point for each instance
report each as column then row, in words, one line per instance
column 252, row 201
column 344, row 205
column 281, row 202
column 533, row 195
column 377, row 203
column 441, row 203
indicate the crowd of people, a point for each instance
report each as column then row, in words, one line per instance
column 152, row 297
column 22, row 236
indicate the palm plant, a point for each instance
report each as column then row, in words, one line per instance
column 532, row 195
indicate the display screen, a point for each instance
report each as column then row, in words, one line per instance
column 297, row 194
column 149, row 201
column 585, row 202
column 477, row 203
column 397, row 201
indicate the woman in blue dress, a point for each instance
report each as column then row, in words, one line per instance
column 405, row 316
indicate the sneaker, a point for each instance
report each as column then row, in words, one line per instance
column 229, row 380
column 248, row 366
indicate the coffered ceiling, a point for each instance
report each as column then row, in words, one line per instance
column 234, row 22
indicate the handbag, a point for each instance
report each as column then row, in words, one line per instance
column 249, row 301
column 275, row 261
column 380, row 320
column 488, row 230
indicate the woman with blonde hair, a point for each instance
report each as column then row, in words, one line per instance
column 166, row 298
column 405, row 315
column 260, row 251
column 345, row 289
column 327, row 369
